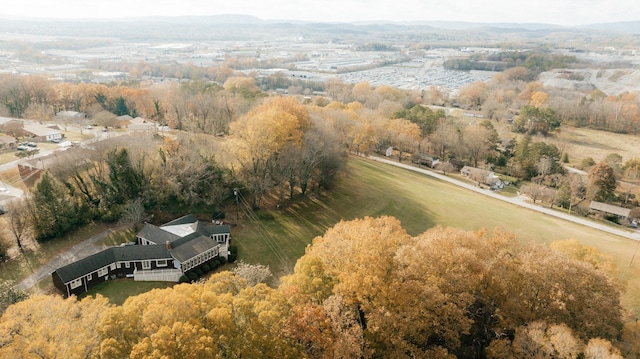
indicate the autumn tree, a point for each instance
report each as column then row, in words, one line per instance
column 478, row 143
column 453, row 283
column 10, row 295
column 571, row 191
column 472, row 96
column 602, row 182
column 423, row 116
column 404, row 136
column 261, row 135
column 51, row 327
column 533, row 120
column 105, row 119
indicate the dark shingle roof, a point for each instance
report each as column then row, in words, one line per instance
column 108, row 256
column 183, row 248
column 156, row 234
column 609, row 208
column 193, row 247
column 214, row 229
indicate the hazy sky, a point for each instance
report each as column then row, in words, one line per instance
column 561, row 12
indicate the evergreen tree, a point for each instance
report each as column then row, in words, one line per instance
column 53, row 211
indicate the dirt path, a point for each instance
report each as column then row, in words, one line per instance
column 518, row 201
column 79, row 251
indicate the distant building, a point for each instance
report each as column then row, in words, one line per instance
column 71, row 115
column 142, row 125
column 7, row 142
column 485, row 177
column 32, row 168
column 389, row 152
column 618, row 211
column 425, row 160
column 43, row 133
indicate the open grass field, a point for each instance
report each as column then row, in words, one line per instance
column 581, row 143
column 419, row 202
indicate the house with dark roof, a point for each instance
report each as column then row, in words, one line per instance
column 161, row 253
column 610, row 209
column 190, row 242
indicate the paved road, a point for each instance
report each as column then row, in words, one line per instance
column 79, row 251
column 519, row 201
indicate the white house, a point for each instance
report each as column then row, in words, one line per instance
column 43, row 133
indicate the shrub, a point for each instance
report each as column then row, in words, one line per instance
column 587, row 162
column 206, row 268
column 215, row 264
column 192, row 276
column 222, row 260
column 233, row 255
column 199, row 271
column 183, row 279
column 217, row 215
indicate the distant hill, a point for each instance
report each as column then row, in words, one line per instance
column 631, row 27
column 247, row 27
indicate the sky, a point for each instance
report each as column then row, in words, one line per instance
column 559, row 12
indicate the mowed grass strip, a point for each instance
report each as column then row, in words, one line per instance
column 118, row 290
column 419, row 202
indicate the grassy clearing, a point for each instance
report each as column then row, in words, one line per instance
column 118, row 237
column 581, row 143
column 419, row 202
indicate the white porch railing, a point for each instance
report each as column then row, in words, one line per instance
column 164, row 275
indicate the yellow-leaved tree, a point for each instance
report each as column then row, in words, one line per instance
column 364, row 289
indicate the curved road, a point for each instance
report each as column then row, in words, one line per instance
column 518, row 201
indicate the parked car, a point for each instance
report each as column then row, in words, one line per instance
column 56, row 140
column 22, row 148
column 32, row 144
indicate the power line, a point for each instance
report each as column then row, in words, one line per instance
column 271, row 242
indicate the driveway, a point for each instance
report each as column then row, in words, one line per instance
column 79, row 251
column 518, row 201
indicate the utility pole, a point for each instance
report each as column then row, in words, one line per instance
column 236, row 193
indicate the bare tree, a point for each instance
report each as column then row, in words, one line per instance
column 252, row 273
column 544, row 166
column 133, row 212
column 18, row 220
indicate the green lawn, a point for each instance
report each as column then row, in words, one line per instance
column 419, row 202
column 374, row 189
column 118, row 290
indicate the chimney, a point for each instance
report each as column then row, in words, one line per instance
column 168, row 245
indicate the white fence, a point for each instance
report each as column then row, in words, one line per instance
column 165, row 275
